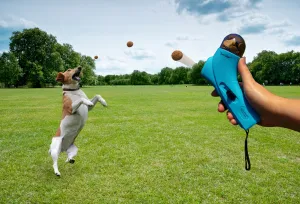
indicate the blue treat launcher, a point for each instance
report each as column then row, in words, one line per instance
column 221, row 71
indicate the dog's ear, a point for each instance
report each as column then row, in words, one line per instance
column 60, row 77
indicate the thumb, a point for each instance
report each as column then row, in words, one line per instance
column 244, row 70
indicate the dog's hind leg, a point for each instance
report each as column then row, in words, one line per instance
column 72, row 152
column 55, row 149
column 95, row 100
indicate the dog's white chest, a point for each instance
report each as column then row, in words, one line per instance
column 72, row 124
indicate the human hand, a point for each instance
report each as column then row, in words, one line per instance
column 264, row 102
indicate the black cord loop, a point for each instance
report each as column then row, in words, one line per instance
column 247, row 158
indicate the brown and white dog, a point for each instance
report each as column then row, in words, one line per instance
column 76, row 106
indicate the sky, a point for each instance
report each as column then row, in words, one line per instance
column 157, row 28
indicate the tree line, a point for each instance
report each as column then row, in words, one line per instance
column 35, row 57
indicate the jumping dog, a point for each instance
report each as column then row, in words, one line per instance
column 76, row 106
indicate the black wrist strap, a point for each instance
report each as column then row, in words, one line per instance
column 247, row 159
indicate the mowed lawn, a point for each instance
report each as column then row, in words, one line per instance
column 153, row 144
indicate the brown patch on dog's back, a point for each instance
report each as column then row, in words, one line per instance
column 67, row 110
column 67, row 106
column 58, row 132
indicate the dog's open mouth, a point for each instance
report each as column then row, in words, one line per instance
column 76, row 75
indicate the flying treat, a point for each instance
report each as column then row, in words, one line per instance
column 96, row 57
column 129, row 44
column 179, row 56
column 234, row 44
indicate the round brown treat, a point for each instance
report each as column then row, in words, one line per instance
column 96, row 57
column 129, row 44
column 235, row 44
column 177, row 55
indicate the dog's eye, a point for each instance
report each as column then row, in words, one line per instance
column 69, row 70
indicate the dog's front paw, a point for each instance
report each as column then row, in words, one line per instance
column 102, row 100
column 87, row 102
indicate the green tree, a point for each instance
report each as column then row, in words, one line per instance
column 70, row 58
column 36, row 76
column 195, row 74
column 265, row 67
column 296, row 71
column 179, row 75
column 109, row 78
column 120, row 81
column 154, row 79
column 100, row 80
column 287, row 65
column 33, row 49
column 164, row 77
column 140, row 78
column 88, row 66
column 10, row 71
column 55, row 64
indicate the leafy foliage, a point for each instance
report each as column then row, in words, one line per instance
column 10, row 71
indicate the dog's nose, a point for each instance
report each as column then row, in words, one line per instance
column 79, row 68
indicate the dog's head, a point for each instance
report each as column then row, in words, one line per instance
column 70, row 76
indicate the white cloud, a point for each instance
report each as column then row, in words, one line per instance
column 257, row 23
column 12, row 21
column 276, row 31
column 188, row 38
column 222, row 10
column 3, row 23
column 140, row 54
column 181, row 38
column 27, row 23
column 280, row 24
column 291, row 39
column 171, row 44
column 255, row 18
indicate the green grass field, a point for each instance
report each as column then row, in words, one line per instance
column 153, row 144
